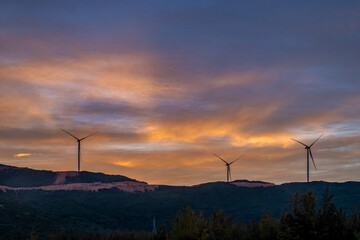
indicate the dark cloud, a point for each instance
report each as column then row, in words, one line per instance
column 108, row 109
column 173, row 81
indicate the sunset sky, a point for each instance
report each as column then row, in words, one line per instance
column 167, row 83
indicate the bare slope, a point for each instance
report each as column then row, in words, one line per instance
column 16, row 177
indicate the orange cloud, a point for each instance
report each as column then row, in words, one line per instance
column 229, row 129
column 128, row 164
column 19, row 155
column 230, row 124
column 130, row 77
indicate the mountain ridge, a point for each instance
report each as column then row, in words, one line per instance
column 110, row 208
column 23, row 178
column 14, row 177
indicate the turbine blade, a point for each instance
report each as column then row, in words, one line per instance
column 299, row 142
column 236, row 160
column 88, row 136
column 220, row 158
column 68, row 133
column 312, row 159
column 317, row 139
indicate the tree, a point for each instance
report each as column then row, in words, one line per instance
column 161, row 233
column 188, row 226
column 300, row 223
column 252, row 231
column 220, row 227
column 331, row 222
column 286, row 231
column 269, row 228
column 238, row 231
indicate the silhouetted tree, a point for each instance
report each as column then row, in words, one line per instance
column 353, row 225
column 161, row 233
column 269, row 228
column 220, row 227
column 331, row 222
column 286, row 231
column 252, row 231
column 300, row 223
column 239, row 231
column 188, row 226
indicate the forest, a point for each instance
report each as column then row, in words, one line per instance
column 306, row 218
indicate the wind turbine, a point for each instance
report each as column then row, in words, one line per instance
column 79, row 141
column 308, row 152
column 228, row 173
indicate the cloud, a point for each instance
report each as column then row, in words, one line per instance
column 19, row 155
column 166, row 84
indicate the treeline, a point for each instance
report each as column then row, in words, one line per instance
column 304, row 220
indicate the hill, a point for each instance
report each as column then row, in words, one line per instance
column 25, row 177
column 112, row 209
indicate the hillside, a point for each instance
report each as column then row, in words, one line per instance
column 25, row 177
column 115, row 210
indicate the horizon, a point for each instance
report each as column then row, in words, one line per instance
column 193, row 185
column 168, row 84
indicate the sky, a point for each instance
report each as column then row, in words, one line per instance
column 165, row 84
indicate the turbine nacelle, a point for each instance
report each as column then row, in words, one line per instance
column 227, row 164
column 78, row 141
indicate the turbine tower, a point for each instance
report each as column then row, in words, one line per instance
column 308, row 152
column 228, row 173
column 79, row 141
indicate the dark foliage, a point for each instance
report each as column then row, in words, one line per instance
column 317, row 214
column 303, row 221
